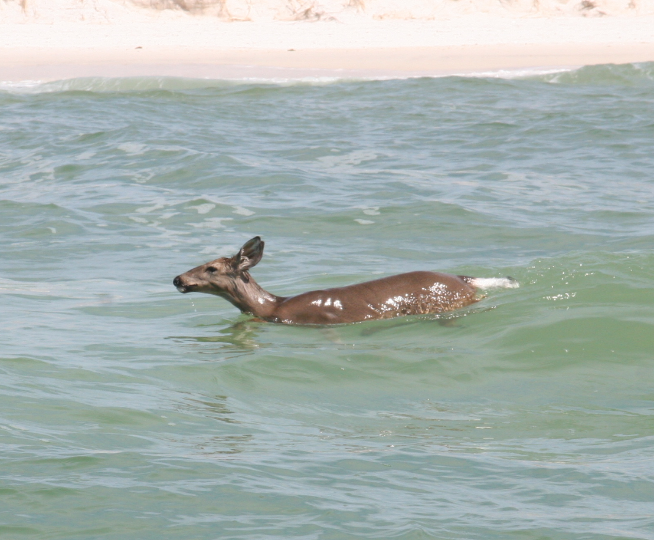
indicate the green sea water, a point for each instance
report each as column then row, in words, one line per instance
column 130, row 411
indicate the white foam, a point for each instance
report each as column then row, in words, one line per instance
column 203, row 208
column 518, row 73
column 19, row 86
column 243, row 211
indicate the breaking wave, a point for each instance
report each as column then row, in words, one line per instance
column 629, row 75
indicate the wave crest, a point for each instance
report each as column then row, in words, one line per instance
column 629, row 75
column 637, row 74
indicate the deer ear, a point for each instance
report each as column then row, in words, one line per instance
column 249, row 255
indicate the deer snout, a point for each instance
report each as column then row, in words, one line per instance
column 179, row 283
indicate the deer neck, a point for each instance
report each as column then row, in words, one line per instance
column 248, row 296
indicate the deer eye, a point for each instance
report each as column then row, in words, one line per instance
column 211, row 269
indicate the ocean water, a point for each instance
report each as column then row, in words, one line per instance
column 130, row 411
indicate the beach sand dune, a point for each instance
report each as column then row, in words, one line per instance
column 295, row 10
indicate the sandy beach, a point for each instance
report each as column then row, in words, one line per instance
column 178, row 44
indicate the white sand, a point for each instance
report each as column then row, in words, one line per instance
column 49, row 44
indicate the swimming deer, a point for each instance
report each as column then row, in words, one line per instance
column 404, row 294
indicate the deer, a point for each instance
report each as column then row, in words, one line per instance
column 412, row 293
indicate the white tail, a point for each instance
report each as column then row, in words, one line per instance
column 494, row 283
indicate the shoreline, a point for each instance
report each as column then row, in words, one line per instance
column 202, row 48
column 52, row 65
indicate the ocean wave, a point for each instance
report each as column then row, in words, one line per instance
column 130, row 85
column 112, row 85
column 312, row 10
column 638, row 74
